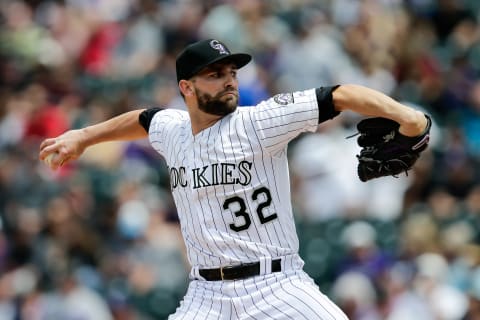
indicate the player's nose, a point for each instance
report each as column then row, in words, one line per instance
column 231, row 82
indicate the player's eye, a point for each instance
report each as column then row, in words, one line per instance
column 214, row 75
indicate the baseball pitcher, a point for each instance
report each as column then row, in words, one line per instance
column 229, row 179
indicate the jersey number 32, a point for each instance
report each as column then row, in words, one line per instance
column 242, row 214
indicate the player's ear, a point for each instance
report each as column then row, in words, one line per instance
column 186, row 87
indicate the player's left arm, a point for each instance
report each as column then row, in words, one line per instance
column 370, row 102
column 70, row 145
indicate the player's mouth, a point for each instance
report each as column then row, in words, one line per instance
column 230, row 93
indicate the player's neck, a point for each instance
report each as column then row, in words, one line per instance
column 201, row 121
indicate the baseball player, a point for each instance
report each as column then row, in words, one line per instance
column 229, row 179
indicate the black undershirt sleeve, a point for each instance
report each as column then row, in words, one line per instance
column 326, row 108
column 145, row 118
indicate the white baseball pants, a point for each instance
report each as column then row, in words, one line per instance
column 282, row 295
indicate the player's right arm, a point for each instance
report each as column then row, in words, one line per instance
column 370, row 102
column 71, row 144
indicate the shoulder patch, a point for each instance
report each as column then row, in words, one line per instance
column 283, row 98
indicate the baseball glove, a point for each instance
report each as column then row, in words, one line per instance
column 385, row 151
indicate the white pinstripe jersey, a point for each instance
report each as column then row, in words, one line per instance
column 230, row 182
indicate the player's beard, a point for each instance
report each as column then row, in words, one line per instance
column 214, row 104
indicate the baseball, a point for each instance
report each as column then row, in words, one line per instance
column 50, row 158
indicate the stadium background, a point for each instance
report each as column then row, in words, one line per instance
column 99, row 239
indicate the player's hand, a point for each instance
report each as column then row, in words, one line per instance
column 385, row 150
column 60, row 150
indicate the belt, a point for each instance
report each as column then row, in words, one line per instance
column 241, row 271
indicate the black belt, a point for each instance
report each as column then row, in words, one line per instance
column 240, row 271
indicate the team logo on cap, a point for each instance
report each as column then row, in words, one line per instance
column 215, row 44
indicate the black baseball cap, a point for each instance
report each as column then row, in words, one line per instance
column 198, row 55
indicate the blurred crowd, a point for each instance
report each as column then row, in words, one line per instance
column 99, row 238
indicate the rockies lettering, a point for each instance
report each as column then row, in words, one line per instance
column 212, row 175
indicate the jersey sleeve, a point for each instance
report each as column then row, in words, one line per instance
column 163, row 128
column 145, row 118
column 283, row 117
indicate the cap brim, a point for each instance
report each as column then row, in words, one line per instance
column 239, row 59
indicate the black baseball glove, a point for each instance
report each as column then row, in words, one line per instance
column 385, row 151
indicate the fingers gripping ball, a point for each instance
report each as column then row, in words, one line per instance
column 385, row 151
column 52, row 160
